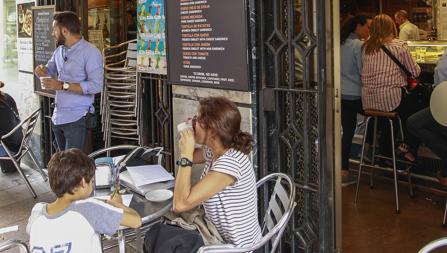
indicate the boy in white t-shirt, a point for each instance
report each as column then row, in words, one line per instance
column 73, row 222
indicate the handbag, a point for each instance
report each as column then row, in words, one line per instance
column 90, row 119
column 412, row 82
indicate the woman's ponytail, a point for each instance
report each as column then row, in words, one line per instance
column 243, row 142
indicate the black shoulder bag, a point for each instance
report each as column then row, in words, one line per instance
column 411, row 81
column 418, row 93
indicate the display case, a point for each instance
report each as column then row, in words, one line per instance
column 427, row 52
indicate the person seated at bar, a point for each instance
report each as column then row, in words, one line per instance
column 227, row 187
column 10, row 119
column 73, row 222
column 352, row 33
column 407, row 30
column 427, row 130
column 384, row 81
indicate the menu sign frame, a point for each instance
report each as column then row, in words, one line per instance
column 208, row 44
column 43, row 42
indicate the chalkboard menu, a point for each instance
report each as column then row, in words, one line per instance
column 207, row 43
column 43, row 42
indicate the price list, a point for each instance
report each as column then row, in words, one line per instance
column 207, row 43
column 43, row 42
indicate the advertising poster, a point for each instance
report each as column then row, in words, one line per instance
column 24, row 32
column 151, row 44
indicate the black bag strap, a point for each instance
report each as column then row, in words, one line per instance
column 401, row 66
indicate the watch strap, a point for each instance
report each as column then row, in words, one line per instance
column 184, row 162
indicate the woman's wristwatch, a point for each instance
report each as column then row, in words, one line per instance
column 184, row 162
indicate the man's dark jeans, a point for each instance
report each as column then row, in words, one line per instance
column 70, row 135
column 427, row 130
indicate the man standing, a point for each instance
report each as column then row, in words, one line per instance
column 407, row 30
column 75, row 72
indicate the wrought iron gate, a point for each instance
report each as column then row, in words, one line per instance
column 295, row 71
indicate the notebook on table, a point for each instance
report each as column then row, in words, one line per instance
column 142, row 179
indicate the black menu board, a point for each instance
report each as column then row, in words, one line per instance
column 207, row 43
column 43, row 42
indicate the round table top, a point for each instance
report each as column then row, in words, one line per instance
column 149, row 211
column 438, row 103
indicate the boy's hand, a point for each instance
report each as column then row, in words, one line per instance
column 116, row 199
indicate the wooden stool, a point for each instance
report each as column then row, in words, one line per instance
column 389, row 116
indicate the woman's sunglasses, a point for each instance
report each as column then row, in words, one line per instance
column 193, row 122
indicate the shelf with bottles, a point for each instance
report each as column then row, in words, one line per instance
column 99, row 20
column 427, row 52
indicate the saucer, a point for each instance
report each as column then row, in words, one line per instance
column 159, row 195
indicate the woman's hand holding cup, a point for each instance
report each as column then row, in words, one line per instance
column 187, row 143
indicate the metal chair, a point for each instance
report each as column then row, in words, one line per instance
column 438, row 243
column 372, row 114
column 11, row 244
column 121, row 101
column 27, row 126
column 271, row 231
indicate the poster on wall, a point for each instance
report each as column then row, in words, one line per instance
column 24, row 32
column 151, row 45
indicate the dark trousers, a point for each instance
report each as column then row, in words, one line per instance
column 349, row 111
column 427, row 130
column 405, row 109
column 70, row 135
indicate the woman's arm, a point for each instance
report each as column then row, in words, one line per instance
column 410, row 63
column 186, row 196
column 198, row 156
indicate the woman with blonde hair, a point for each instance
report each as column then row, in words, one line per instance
column 384, row 81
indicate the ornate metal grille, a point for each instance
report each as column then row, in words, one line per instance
column 293, row 113
column 158, row 114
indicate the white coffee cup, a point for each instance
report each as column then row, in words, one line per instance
column 184, row 125
column 41, row 81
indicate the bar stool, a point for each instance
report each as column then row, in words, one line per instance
column 389, row 116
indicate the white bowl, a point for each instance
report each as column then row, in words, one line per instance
column 159, row 195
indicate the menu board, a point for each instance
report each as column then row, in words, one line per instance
column 43, row 42
column 207, row 43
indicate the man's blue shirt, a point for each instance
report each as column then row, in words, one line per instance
column 82, row 63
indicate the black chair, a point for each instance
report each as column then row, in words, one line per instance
column 27, row 126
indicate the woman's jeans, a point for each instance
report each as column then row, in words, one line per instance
column 349, row 111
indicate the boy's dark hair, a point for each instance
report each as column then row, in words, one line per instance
column 66, row 170
column 69, row 20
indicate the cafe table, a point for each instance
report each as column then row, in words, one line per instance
column 150, row 212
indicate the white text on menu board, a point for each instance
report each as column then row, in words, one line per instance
column 198, row 41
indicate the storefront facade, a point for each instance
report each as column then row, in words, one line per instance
column 292, row 116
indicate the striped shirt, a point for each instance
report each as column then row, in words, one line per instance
column 382, row 79
column 234, row 210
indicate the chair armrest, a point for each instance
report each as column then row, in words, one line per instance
column 10, row 244
column 216, row 248
column 434, row 245
column 223, row 248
